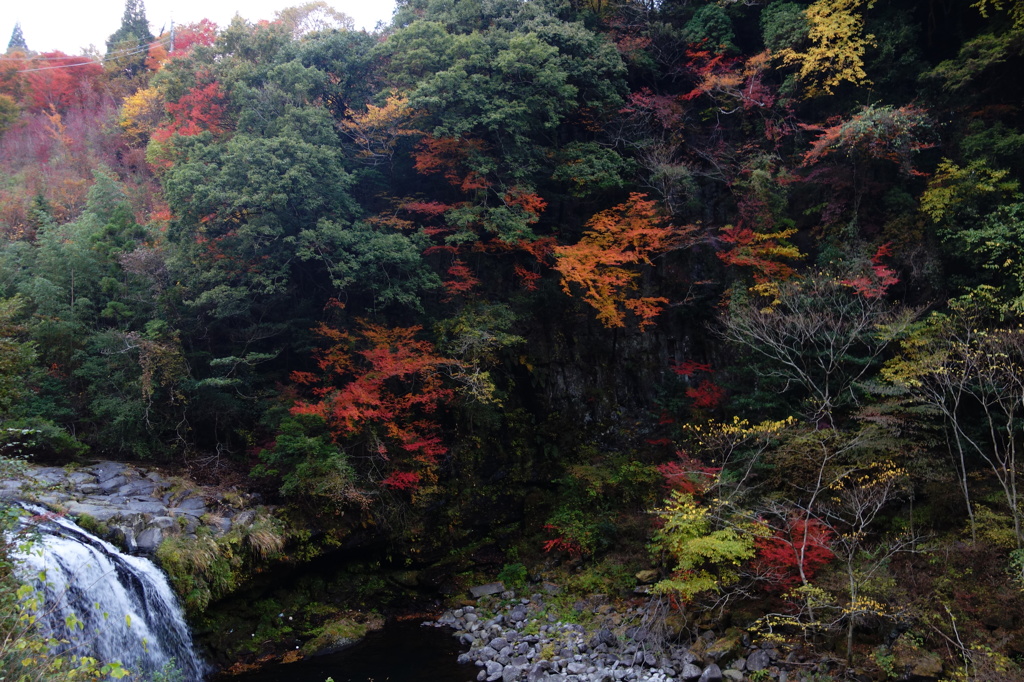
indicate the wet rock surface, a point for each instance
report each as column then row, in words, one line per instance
column 135, row 508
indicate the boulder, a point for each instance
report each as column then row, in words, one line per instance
column 690, row 672
column 148, row 540
column 712, row 673
column 485, row 590
column 758, row 660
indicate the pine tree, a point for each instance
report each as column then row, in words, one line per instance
column 127, row 46
column 17, row 41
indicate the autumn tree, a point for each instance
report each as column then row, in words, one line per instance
column 838, row 44
column 604, row 262
column 140, row 115
column 312, row 17
column 64, row 82
column 375, row 133
column 382, row 389
column 202, row 32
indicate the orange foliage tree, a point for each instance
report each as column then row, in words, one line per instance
column 58, row 81
column 604, row 262
column 383, row 388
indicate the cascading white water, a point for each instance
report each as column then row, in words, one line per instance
column 127, row 607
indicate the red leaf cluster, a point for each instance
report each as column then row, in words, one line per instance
column 801, row 542
column 384, row 381
column 878, row 279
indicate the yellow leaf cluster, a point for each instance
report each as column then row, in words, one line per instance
column 141, row 113
column 376, row 131
column 838, row 45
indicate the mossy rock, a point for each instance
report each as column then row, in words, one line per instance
column 340, row 633
column 726, row 648
column 916, row 662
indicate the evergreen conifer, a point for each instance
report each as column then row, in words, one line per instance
column 17, row 41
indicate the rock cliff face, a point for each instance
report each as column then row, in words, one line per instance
column 133, row 507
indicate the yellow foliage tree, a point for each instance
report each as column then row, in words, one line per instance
column 376, row 132
column 141, row 112
column 838, row 45
column 1015, row 8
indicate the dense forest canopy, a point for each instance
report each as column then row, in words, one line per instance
column 736, row 283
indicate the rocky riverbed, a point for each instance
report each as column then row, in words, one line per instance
column 514, row 638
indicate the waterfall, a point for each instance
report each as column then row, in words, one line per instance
column 127, row 607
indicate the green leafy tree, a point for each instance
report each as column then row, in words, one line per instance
column 16, row 355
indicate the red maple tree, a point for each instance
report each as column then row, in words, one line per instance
column 383, row 387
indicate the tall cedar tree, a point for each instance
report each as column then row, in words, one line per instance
column 128, row 46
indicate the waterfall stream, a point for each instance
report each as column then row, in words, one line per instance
column 127, row 607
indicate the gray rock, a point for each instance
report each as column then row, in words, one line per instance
column 111, row 484
column 194, row 503
column 104, row 471
column 733, row 675
column 689, row 673
column 576, row 667
column 537, row 673
column 484, row 590
column 758, row 660
column 103, row 514
column 147, row 507
column 244, row 518
column 149, row 539
column 48, row 475
column 712, row 673
column 141, row 488
column 510, row 673
column 604, row 636
column 518, row 614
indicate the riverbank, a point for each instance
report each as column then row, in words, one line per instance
column 512, row 638
column 518, row 638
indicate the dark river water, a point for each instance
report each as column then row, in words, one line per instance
column 401, row 652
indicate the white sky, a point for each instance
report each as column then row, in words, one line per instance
column 73, row 25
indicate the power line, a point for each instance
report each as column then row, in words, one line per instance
column 138, row 50
column 158, row 41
